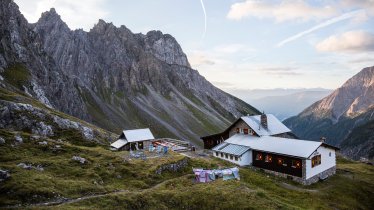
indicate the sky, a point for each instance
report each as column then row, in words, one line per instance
column 244, row 44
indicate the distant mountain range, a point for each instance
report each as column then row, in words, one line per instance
column 345, row 117
column 111, row 77
column 283, row 103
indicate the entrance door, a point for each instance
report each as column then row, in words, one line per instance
column 133, row 147
column 140, row 145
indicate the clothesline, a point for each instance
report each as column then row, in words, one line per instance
column 203, row 175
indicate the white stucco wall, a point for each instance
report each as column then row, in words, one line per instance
column 244, row 160
column 327, row 162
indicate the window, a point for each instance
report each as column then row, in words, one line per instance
column 221, row 154
column 236, row 158
column 231, row 157
column 268, row 158
column 296, row 164
column 280, row 161
column 316, row 160
column 245, row 130
column 259, row 156
column 237, row 130
column 216, row 153
column 226, row 156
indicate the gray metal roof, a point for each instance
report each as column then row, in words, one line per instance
column 232, row 149
column 274, row 125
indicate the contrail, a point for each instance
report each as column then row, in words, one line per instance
column 202, row 5
column 322, row 25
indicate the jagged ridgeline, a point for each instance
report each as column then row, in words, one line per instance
column 111, row 77
column 345, row 117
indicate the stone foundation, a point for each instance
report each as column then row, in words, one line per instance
column 327, row 173
column 323, row 175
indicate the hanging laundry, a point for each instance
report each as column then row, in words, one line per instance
column 227, row 174
column 204, row 176
column 235, row 172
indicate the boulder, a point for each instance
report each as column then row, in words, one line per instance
column 25, row 166
column 88, row 133
column 18, row 139
column 4, row 174
column 42, row 129
column 39, row 168
column 79, row 159
column 43, row 143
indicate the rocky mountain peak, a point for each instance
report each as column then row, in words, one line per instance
column 165, row 48
column 52, row 19
column 51, row 13
column 101, row 25
column 114, row 78
column 336, row 115
column 364, row 78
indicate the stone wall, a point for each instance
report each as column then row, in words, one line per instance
column 173, row 167
column 327, row 173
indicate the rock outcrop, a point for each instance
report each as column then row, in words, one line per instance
column 42, row 122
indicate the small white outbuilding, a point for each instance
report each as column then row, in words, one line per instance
column 133, row 139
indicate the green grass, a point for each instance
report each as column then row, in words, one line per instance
column 106, row 171
column 17, row 75
column 255, row 190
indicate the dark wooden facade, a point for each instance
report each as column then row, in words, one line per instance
column 213, row 140
column 288, row 165
column 131, row 145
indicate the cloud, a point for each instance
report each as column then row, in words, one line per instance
column 324, row 24
column 362, row 60
column 368, row 5
column 352, row 41
column 218, row 55
column 232, row 48
column 279, row 71
column 223, row 84
column 284, row 11
column 77, row 14
column 197, row 60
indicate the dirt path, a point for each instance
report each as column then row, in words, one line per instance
column 74, row 200
column 292, row 187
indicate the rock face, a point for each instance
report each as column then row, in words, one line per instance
column 354, row 97
column 25, row 65
column 360, row 142
column 336, row 115
column 112, row 77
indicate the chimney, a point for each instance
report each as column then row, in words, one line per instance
column 323, row 139
column 264, row 120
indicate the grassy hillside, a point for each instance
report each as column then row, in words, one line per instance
column 106, row 181
column 110, row 180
